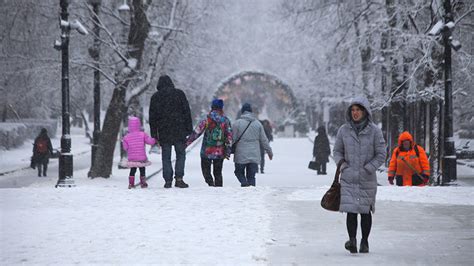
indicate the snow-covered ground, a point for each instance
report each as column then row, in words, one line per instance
column 100, row 221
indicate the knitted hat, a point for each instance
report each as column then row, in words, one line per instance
column 246, row 108
column 217, row 104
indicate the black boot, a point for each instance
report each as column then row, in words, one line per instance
column 167, row 184
column 210, row 182
column 351, row 245
column 180, row 183
column 364, row 246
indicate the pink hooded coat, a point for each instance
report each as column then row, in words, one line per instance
column 134, row 142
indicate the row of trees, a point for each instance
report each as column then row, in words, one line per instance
column 381, row 48
column 136, row 42
column 325, row 50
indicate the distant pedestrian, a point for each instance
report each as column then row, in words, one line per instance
column 42, row 150
column 247, row 153
column 170, row 124
column 134, row 143
column 360, row 143
column 269, row 134
column 409, row 164
column 216, row 143
column 321, row 150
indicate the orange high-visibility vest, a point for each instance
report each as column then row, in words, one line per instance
column 398, row 168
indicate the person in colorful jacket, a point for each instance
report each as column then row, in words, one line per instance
column 216, row 144
column 409, row 164
column 134, row 143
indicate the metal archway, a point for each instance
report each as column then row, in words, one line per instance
column 269, row 96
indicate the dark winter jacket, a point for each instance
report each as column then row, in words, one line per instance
column 38, row 156
column 169, row 115
column 363, row 154
column 321, row 149
column 268, row 130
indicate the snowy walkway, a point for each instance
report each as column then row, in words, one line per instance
column 277, row 222
column 403, row 233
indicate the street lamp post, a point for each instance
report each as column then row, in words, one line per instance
column 449, row 156
column 124, row 14
column 95, row 54
column 65, row 159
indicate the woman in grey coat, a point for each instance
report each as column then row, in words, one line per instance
column 361, row 144
column 247, row 152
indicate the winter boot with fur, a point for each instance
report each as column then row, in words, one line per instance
column 131, row 182
column 180, row 183
column 143, row 183
column 351, row 245
column 364, row 246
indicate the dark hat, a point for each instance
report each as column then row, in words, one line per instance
column 217, row 104
column 321, row 130
column 164, row 82
column 246, row 108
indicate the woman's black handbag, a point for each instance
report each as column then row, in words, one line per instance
column 313, row 165
column 32, row 162
column 332, row 198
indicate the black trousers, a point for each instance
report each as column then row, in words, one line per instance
column 133, row 170
column 44, row 166
column 365, row 224
column 217, row 171
column 322, row 168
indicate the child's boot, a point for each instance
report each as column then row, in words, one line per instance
column 131, row 182
column 143, row 183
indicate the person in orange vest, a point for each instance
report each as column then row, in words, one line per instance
column 409, row 164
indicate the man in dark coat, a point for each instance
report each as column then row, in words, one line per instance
column 321, row 150
column 268, row 132
column 170, row 123
column 42, row 149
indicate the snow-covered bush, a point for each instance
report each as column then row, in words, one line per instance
column 14, row 134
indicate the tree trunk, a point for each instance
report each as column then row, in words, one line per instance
column 139, row 26
column 102, row 166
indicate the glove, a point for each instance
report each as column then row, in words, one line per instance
column 390, row 179
column 426, row 179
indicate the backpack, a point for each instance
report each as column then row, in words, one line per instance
column 215, row 132
column 41, row 146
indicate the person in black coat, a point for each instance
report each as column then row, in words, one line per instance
column 170, row 123
column 42, row 149
column 268, row 132
column 321, row 150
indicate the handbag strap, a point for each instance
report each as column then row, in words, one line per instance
column 338, row 171
column 243, row 133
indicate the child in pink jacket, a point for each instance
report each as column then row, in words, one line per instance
column 134, row 143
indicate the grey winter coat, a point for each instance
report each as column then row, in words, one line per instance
column 248, row 148
column 363, row 153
